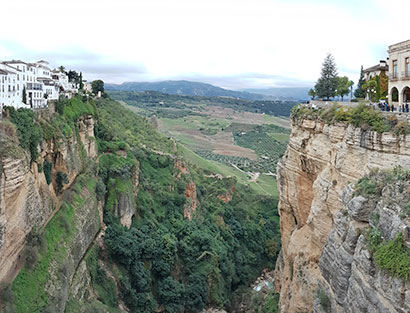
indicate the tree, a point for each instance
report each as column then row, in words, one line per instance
column 72, row 76
column 312, row 93
column 370, row 87
column 351, row 83
column 24, row 95
column 360, row 92
column 327, row 83
column 61, row 69
column 81, row 81
column 171, row 293
column 97, row 85
column 384, row 85
column 343, row 85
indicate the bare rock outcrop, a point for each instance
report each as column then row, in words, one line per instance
column 320, row 161
column 352, row 281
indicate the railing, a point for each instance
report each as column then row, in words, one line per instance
column 31, row 86
column 403, row 76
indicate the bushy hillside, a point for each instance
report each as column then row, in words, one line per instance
column 194, row 239
column 174, row 237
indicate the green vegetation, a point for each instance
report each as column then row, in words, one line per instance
column 271, row 304
column 133, row 130
column 268, row 149
column 97, row 86
column 47, row 166
column 363, row 116
column 265, row 184
column 360, row 93
column 28, row 129
column 29, row 286
column 327, row 83
column 324, row 300
column 152, row 100
column 392, row 256
column 164, row 258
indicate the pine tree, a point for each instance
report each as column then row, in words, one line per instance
column 81, row 80
column 327, row 83
column 360, row 92
column 24, row 95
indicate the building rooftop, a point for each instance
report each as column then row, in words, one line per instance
column 377, row 67
column 15, row 62
column 399, row 46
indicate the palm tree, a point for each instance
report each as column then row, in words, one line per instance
column 61, row 68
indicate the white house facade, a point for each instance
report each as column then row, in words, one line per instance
column 399, row 73
column 37, row 80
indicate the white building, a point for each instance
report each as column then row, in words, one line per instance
column 87, row 86
column 37, row 79
column 399, row 73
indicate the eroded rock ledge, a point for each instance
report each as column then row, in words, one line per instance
column 320, row 162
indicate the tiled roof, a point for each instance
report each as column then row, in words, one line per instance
column 377, row 67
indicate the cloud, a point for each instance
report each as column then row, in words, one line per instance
column 235, row 43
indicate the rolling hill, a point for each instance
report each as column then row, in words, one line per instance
column 188, row 88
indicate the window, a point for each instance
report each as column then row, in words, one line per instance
column 407, row 66
column 394, row 68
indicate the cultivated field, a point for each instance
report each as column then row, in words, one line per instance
column 223, row 140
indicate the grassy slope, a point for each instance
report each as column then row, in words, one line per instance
column 266, row 185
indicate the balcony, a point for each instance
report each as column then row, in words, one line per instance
column 34, row 86
column 393, row 77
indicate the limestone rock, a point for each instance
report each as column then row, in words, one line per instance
column 320, row 162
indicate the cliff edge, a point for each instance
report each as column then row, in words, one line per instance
column 321, row 160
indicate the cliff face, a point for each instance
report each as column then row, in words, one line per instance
column 320, row 161
column 352, row 281
column 26, row 200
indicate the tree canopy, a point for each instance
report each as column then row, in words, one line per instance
column 360, row 92
column 97, row 85
column 343, row 86
column 327, row 83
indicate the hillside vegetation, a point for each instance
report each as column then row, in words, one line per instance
column 195, row 240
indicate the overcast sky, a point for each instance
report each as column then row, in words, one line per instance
column 230, row 43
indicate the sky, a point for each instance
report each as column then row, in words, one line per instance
column 234, row 44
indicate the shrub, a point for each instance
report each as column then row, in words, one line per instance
column 47, row 166
column 31, row 256
column 394, row 257
column 365, row 186
column 61, row 179
column 6, row 294
column 100, row 190
column 365, row 116
column 324, row 300
column 28, row 130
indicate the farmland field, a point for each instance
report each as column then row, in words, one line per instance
column 224, row 140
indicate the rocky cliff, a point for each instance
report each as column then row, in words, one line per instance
column 26, row 200
column 320, row 162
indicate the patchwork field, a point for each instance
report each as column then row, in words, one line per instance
column 224, row 140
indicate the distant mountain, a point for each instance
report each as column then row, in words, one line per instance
column 283, row 93
column 188, row 88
